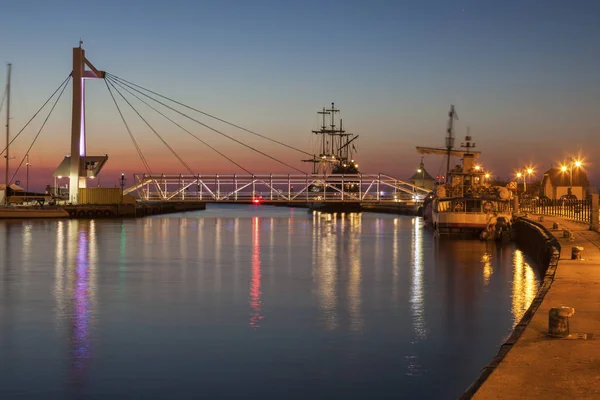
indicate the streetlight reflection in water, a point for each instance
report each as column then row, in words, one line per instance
column 525, row 285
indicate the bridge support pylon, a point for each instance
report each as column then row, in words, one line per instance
column 78, row 142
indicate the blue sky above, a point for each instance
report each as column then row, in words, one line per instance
column 524, row 75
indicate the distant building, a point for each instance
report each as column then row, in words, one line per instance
column 556, row 183
column 422, row 178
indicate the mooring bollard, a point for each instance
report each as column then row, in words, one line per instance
column 558, row 321
column 555, row 225
column 566, row 233
column 541, row 218
column 576, row 252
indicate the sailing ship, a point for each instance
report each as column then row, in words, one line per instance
column 335, row 153
column 464, row 203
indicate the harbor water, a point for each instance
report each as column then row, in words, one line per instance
column 251, row 302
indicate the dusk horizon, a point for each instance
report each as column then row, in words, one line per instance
column 513, row 72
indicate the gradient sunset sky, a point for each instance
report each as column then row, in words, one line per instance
column 523, row 75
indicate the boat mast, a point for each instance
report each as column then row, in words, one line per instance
column 322, row 132
column 7, row 131
column 450, row 139
column 333, row 131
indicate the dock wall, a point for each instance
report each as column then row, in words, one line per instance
column 130, row 210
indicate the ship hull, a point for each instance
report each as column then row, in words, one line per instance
column 478, row 224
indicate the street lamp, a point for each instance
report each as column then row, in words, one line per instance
column 569, row 167
column 529, row 171
column 519, row 174
column 27, row 165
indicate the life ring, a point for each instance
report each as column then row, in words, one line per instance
column 459, row 206
column 488, row 207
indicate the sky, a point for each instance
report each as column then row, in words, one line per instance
column 523, row 75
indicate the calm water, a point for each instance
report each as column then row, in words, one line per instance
column 251, row 302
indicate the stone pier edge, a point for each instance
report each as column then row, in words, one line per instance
column 520, row 327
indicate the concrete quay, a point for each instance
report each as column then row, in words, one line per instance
column 95, row 211
column 536, row 366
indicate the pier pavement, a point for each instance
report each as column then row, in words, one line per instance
column 538, row 367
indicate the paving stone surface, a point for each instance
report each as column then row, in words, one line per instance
column 538, row 367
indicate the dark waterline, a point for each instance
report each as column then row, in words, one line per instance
column 253, row 302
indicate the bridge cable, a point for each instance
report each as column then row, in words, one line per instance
column 190, row 133
column 214, row 117
column 219, row 132
column 137, row 147
column 40, row 130
column 3, row 98
column 36, row 113
column 186, row 166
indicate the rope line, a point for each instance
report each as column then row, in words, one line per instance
column 3, row 98
column 213, row 116
column 35, row 115
column 39, row 131
column 216, row 130
column 156, row 133
column 190, row 133
column 137, row 147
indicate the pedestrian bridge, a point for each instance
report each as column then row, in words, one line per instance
column 288, row 188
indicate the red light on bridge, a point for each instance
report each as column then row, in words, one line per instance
column 256, row 201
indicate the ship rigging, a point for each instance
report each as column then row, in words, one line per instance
column 336, row 146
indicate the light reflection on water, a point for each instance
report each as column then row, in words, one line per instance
column 525, row 286
column 346, row 305
column 255, row 291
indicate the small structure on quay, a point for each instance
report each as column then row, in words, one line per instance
column 422, row 178
column 557, row 183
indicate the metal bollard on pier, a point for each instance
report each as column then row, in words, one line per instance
column 576, row 252
column 558, row 321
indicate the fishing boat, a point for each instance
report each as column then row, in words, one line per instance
column 464, row 203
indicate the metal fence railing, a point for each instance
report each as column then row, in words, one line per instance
column 576, row 210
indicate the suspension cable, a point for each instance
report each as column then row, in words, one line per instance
column 156, row 133
column 36, row 113
column 3, row 98
column 217, row 131
column 39, row 131
column 214, row 117
column 190, row 133
column 137, row 147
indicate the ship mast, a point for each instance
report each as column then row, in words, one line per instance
column 7, row 131
column 450, row 138
column 335, row 151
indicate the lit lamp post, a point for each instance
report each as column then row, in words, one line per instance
column 519, row 175
column 528, row 172
column 56, row 191
column 569, row 167
column 422, row 172
column 27, row 165
column 487, row 177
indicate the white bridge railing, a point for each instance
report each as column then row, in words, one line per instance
column 363, row 188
